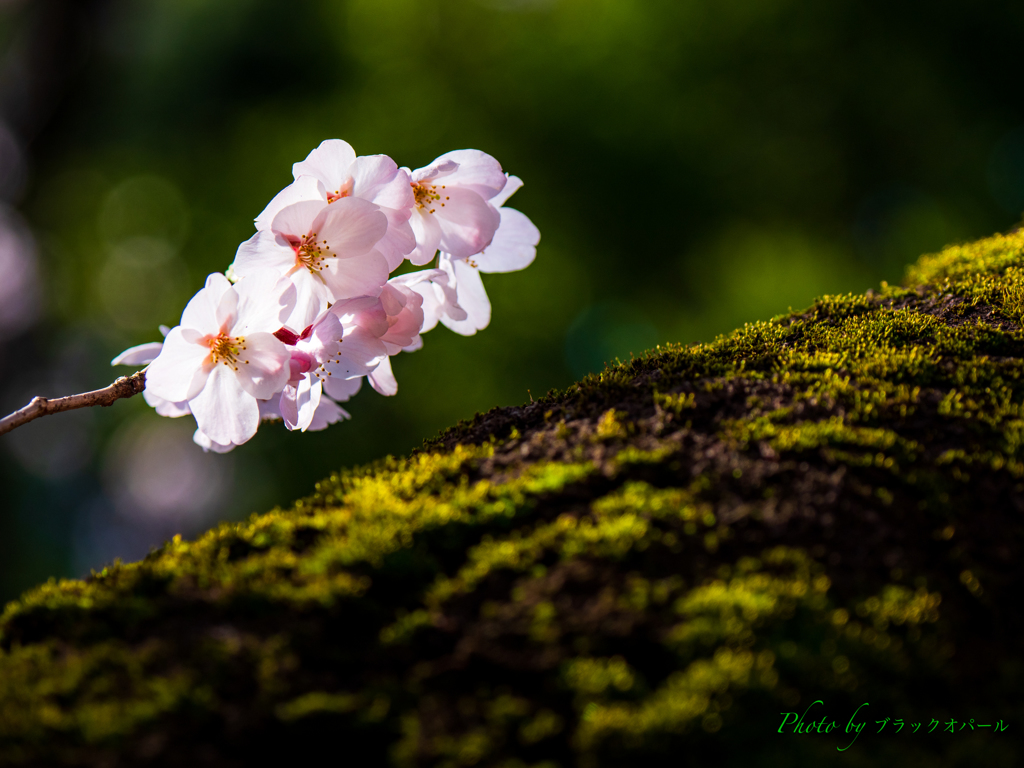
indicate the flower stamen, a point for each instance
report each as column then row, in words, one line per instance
column 427, row 196
column 343, row 191
column 227, row 350
column 311, row 254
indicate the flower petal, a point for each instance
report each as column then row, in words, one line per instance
column 227, row 310
column 382, row 378
column 331, row 163
column 224, row 411
column 514, row 246
column 303, row 189
column 327, row 412
column 432, row 305
column 472, row 298
column 399, row 240
column 438, row 290
column 166, row 407
column 477, row 171
column 201, row 311
column 360, row 353
column 378, row 178
column 270, row 409
column 296, row 220
column 447, row 288
column 265, row 298
column 311, row 297
column 393, row 299
column 512, row 185
column 342, row 389
column 178, row 372
column 427, row 231
column 143, row 354
column 299, row 403
column 467, row 222
column 262, row 366
column 438, row 169
column 324, row 339
column 289, row 409
column 350, row 226
column 264, row 250
column 405, row 321
column 204, row 442
column 363, row 275
column 410, row 279
column 365, row 312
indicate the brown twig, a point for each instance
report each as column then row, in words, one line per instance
column 126, row 386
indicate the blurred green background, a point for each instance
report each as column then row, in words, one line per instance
column 691, row 164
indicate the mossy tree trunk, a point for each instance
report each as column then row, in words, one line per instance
column 649, row 568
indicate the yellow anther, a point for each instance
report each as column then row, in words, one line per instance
column 425, row 194
column 226, row 349
column 311, row 254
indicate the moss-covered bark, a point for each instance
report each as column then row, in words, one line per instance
column 646, row 569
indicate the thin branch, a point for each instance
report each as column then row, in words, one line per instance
column 126, row 386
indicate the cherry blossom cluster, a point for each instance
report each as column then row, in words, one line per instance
column 309, row 308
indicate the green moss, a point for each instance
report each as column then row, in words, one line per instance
column 652, row 563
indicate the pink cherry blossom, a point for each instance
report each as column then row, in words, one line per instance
column 364, row 322
column 312, row 312
column 458, row 300
column 372, row 328
column 310, row 351
column 438, row 297
column 326, row 410
column 375, row 178
column 223, row 356
column 404, row 310
column 451, row 211
column 327, row 251
column 376, row 330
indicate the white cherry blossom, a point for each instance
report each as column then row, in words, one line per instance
column 201, row 439
column 470, row 297
column 514, row 246
column 327, row 251
column 144, row 354
column 166, row 408
column 451, row 211
column 223, row 356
